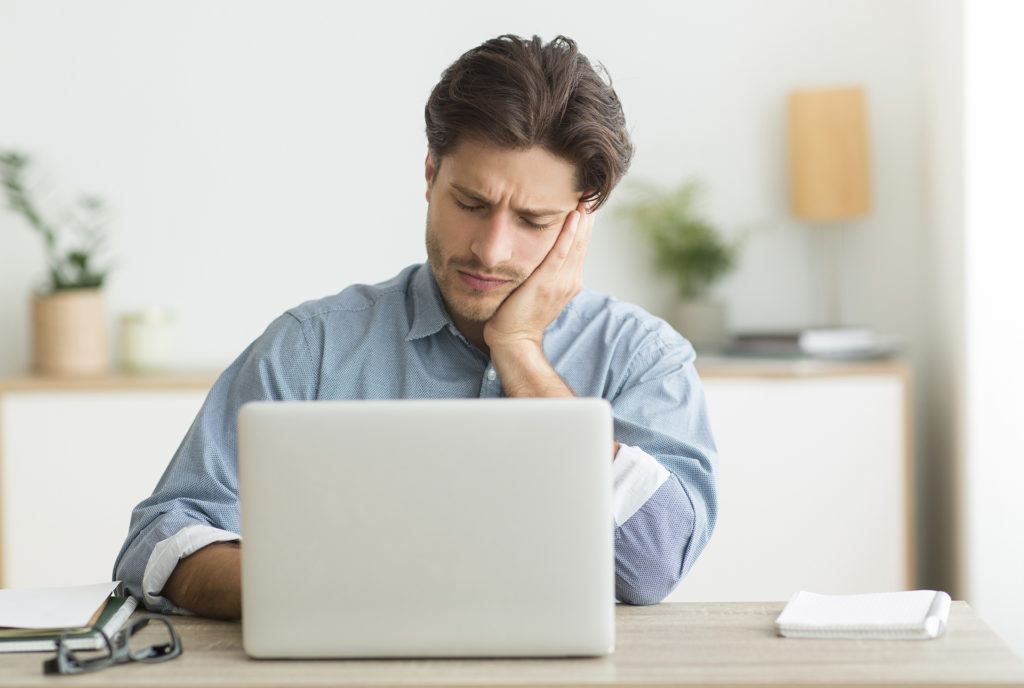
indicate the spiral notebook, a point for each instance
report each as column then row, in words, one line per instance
column 114, row 614
column 910, row 615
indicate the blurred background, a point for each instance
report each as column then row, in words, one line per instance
column 239, row 158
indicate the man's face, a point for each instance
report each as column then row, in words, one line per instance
column 493, row 214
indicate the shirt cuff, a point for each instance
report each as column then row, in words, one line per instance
column 636, row 476
column 165, row 557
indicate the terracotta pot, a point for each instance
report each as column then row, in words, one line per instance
column 69, row 333
column 704, row 323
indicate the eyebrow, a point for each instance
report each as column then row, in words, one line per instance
column 531, row 212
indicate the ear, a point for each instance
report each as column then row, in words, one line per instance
column 430, row 169
column 589, row 206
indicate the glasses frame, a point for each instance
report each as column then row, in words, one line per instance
column 118, row 649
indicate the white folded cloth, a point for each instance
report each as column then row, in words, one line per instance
column 911, row 615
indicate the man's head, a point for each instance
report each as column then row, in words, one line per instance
column 518, row 133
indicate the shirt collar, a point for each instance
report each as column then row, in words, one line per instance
column 428, row 311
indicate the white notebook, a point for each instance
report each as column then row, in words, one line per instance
column 911, row 615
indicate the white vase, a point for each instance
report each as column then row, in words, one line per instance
column 704, row 323
column 146, row 341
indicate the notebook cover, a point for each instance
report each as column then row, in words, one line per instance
column 115, row 612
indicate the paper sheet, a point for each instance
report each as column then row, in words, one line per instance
column 70, row 607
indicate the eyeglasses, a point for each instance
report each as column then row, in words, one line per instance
column 118, row 649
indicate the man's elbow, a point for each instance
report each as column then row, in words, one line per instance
column 659, row 544
column 653, row 588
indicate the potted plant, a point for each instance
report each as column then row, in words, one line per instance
column 691, row 251
column 69, row 335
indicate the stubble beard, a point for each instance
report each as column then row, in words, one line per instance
column 478, row 309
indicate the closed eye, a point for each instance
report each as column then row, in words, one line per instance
column 470, row 208
column 475, row 208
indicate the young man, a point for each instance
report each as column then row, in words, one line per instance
column 525, row 142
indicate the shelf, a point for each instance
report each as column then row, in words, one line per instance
column 184, row 380
column 708, row 367
column 739, row 366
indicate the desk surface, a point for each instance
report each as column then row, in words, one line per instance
column 723, row 644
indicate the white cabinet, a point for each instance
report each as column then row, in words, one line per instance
column 75, row 458
column 814, row 478
column 814, row 483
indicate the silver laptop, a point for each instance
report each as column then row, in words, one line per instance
column 442, row 528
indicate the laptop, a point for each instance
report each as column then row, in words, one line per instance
column 426, row 528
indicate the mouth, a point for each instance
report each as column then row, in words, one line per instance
column 481, row 282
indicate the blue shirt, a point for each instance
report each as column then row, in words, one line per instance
column 395, row 340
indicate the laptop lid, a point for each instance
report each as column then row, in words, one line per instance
column 427, row 528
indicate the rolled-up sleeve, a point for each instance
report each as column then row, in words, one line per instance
column 665, row 490
column 200, row 485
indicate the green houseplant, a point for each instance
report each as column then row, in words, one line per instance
column 68, row 315
column 690, row 251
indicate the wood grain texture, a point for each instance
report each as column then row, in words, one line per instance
column 828, row 154
column 707, row 366
column 722, row 644
column 201, row 379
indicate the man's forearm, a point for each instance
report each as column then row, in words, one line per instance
column 209, row 582
column 526, row 372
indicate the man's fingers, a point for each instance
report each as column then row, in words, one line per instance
column 565, row 241
column 582, row 238
column 586, row 227
column 569, row 246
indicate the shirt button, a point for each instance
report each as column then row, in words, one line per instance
column 491, row 374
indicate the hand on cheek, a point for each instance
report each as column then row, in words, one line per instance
column 526, row 313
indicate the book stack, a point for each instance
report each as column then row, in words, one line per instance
column 837, row 343
column 32, row 619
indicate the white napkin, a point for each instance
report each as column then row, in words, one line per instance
column 915, row 614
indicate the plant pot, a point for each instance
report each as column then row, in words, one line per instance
column 703, row 323
column 69, row 333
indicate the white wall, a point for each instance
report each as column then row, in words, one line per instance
column 262, row 154
column 995, row 319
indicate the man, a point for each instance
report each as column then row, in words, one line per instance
column 525, row 142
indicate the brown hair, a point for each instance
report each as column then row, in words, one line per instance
column 518, row 93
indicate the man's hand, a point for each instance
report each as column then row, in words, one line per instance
column 515, row 334
column 525, row 314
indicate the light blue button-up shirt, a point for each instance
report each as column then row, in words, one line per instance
column 395, row 340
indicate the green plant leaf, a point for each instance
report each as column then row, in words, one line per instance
column 69, row 269
column 79, row 259
column 687, row 248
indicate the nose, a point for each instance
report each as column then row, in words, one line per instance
column 492, row 244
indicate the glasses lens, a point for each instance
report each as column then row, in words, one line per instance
column 70, row 661
column 156, row 643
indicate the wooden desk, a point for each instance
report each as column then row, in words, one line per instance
column 721, row 644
